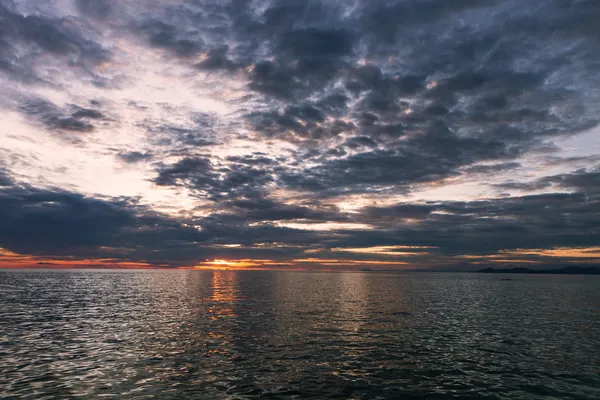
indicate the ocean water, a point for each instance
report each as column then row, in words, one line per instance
column 297, row 335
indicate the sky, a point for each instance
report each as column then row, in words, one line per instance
column 355, row 134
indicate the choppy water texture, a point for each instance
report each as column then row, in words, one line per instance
column 250, row 334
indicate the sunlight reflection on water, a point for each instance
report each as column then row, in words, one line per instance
column 251, row 334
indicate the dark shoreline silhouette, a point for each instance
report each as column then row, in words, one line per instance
column 562, row 271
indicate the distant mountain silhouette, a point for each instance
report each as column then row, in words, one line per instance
column 565, row 270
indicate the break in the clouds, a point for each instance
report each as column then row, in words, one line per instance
column 379, row 134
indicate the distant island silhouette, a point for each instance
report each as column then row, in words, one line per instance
column 524, row 270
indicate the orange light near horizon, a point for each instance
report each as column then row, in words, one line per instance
column 566, row 252
column 10, row 259
column 238, row 264
column 537, row 255
column 385, row 250
column 343, row 262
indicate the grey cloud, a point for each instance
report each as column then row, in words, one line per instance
column 268, row 210
column 198, row 170
column 5, row 179
column 23, row 38
column 360, row 141
column 38, row 220
column 87, row 113
column 436, row 155
column 203, row 129
column 585, row 181
column 53, row 222
column 317, row 42
column 133, row 157
column 253, row 159
column 101, row 9
column 399, row 211
column 215, row 181
column 56, row 118
column 491, row 168
column 481, row 227
column 217, row 59
column 164, row 35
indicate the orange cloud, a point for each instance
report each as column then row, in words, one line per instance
column 343, row 262
column 239, row 264
column 10, row 259
column 562, row 252
column 384, row 250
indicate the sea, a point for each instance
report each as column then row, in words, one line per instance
column 160, row 334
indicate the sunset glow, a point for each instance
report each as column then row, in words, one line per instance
column 299, row 199
column 283, row 135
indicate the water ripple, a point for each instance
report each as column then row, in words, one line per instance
column 244, row 335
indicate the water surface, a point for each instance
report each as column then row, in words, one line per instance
column 251, row 334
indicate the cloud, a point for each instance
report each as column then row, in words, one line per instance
column 486, row 169
column 162, row 35
column 267, row 210
column 25, row 39
column 55, row 118
column 584, row 181
column 216, row 59
column 247, row 120
column 202, row 129
column 213, row 180
column 490, row 225
column 133, row 157
column 427, row 157
column 5, row 179
column 54, row 222
column 96, row 8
